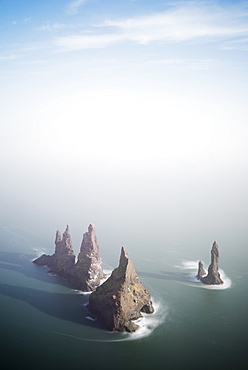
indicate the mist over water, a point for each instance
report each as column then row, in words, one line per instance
column 167, row 216
column 167, row 221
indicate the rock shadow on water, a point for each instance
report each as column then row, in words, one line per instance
column 21, row 263
column 167, row 275
column 69, row 307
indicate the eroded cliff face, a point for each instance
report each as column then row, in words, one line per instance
column 213, row 276
column 122, row 298
column 87, row 272
column 88, row 269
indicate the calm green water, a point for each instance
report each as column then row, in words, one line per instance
column 45, row 324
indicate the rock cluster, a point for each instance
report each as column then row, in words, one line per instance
column 87, row 272
column 122, row 298
column 63, row 260
column 213, row 276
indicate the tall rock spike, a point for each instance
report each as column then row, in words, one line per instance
column 88, row 270
column 63, row 260
column 213, row 276
column 201, row 271
column 121, row 298
column 58, row 237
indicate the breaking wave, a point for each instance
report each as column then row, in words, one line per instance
column 193, row 265
column 91, row 318
column 149, row 322
column 39, row 252
column 147, row 325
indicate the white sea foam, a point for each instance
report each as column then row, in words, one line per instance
column 39, row 251
column 227, row 282
column 91, row 318
column 84, row 293
column 189, row 265
column 80, row 291
column 193, row 265
column 148, row 322
column 52, row 274
column 147, row 325
column 107, row 272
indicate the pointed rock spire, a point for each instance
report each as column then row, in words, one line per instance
column 213, row 276
column 58, row 237
column 63, row 260
column 64, row 257
column 201, row 271
column 88, row 269
column 121, row 298
column 87, row 272
column 64, row 244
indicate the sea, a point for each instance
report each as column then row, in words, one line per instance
column 45, row 323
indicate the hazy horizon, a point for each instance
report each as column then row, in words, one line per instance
column 129, row 115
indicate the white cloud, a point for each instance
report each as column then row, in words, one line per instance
column 194, row 64
column 240, row 44
column 73, row 7
column 9, row 57
column 87, row 41
column 184, row 23
column 51, row 27
column 181, row 23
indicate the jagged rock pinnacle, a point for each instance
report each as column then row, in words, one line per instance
column 63, row 260
column 88, row 270
column 58, row 237
column 201, row 271
column 213, row 276
column 121, row 298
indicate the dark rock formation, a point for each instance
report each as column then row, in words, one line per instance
column 87, row 272
column 63, row 260
column 121, row 298
column 201, row 271
column 88, row 269
column 213, row 276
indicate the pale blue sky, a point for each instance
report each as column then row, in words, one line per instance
column 140, row 79
column 125, row 113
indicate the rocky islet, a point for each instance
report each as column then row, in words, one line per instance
column 122, row 298
column 213, row 275
column 86, row 273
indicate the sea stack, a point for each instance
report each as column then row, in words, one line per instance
column 201, row 271
column 63, row 260
column 213, row 276
column 88, row 269
column 87, row 272
column 121, row 298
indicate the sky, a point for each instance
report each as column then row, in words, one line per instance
column 108, row 87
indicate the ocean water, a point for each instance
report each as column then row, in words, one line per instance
column 45, row 323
